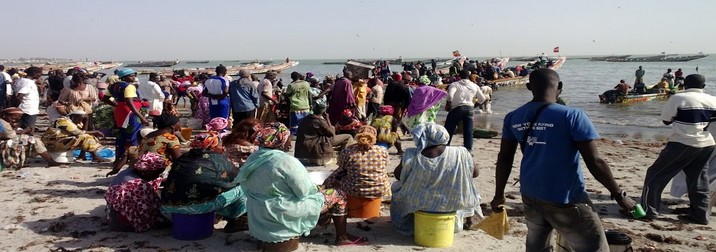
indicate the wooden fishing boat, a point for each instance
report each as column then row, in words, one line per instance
column 154, row 64
column 522, row 80
column 633, row 98
column 198, row 62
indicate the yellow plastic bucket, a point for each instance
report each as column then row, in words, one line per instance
column 435, row 230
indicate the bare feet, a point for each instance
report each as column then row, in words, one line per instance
column 350, row 240
column 57, row 164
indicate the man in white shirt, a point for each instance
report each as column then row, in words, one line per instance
column 461, row 99
column 5, row 87
column 690, row 146
column 152, row 92
column 28, row 98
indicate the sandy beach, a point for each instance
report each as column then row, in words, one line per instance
column 62, row 209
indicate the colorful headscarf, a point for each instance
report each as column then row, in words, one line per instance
column 425, row 80
column 217, row 124
column 150, row 161
column 366, row 136
column 424, row 97
column 385, row 110
column 430, row 134
column 209, row 141
column 397, row 77
column 274, row 135
column 348, row 113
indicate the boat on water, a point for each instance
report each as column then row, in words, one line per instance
column 632, row 98
column 198, row 62
column 607, row 58
column 522, row 80
column 154, row 64
column 659, row 58
column 444, row 67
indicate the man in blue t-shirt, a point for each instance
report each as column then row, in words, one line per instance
column 551, row 137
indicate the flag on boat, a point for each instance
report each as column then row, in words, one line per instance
column 456, row 53
column 556, row 49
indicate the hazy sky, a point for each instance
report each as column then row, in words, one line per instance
column 275, row 29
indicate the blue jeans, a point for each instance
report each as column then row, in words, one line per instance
column 464, row 114
column 577, row 223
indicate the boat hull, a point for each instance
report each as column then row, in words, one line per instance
column 629, row 99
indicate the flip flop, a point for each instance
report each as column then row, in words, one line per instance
column 358, row 241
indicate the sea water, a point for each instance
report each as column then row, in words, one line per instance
column 583, row 81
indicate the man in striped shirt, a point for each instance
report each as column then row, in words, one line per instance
column 689, row 147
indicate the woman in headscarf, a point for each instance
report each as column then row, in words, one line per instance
column 433, row 168
column 361, row 169
column 218, row 125
column 132, row 198
column 127, row 117
column 66, row 134
column 316, row 139
column 341, row 97
column 424, row 105
column 387, row 127
column 348, row 124
column 241, row 142
column 17, row 148
column 283, row 201
column 202, row 181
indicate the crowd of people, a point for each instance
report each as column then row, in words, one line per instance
column 240, row 168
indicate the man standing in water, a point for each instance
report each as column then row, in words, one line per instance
column 690, row 146
column 639, row 76
column 669, row 78
column 553, row 191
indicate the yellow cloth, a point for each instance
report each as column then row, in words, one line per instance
column 65, row 136
column 496, row 224
column 130, row 91
column 360, row 92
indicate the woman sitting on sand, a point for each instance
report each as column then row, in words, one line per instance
column 283, row 201
column 348, row 124
column 362, row 168
column 387, row 127
column 433, row 168
column 240, row 143
column 163, row 141
column 66, row 134
column 132, row 198
column 202, row 181
column 316, row 139
column 16, row 146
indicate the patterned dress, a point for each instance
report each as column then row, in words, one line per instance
column 17, row 148
column 65, row 135
column 445, row 180
column 160, row 144
column 202, row 181
column 133, row 203
column 361, row 172
column 238, row 154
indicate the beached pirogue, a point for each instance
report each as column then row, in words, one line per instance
column 254, row 68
